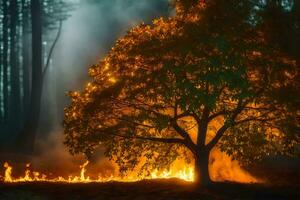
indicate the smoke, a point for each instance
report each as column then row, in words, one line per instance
column 86, row 37
column 55, row 160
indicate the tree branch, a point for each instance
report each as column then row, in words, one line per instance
column 222, row 112
column 213, row 116
column 52, row 49
column 228, row 123
column 217, row 137
column 113, row 129
column 133, row 122
column 152, row 139
column 253, row 119
column 187, row 139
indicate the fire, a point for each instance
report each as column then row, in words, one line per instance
column 8, row 171
column 83, row 170
column 221, row 167
column 186, row 174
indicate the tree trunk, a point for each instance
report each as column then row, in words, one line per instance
column 5, row 62
column 1, row 83
column 26, row 59
column 202, row 177
column 15, row 98
column 26, row 139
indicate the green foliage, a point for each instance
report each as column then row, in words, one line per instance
column 241, row 146
column 207, row 66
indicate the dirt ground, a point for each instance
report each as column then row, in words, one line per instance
column 145, row 190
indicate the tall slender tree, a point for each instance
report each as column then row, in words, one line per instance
column 5, row 40
column 26, row 55
column 1, row 71
column 26, row 138
column 15, row 97
column 44, row 17
column 25, row 25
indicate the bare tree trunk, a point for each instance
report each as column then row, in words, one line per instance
column 27, row 137
column 15, row 98
column 5, row 61
column 1, row 91
column 1, row 82
column 202, row 177
column 25, row 55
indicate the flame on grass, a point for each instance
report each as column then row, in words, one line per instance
column 186, row 174
column 221, row 167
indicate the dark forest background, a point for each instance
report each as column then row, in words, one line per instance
column 46, row 48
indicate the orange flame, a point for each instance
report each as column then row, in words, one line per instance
column 186, row 174
column 7, row 175
column 221, row 168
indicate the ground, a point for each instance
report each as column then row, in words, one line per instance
column 145, row 190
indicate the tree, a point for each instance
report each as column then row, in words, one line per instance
column 283, row 32
column 21, row 86
column 26, row 56
column 15, row 99
column 5, row 60
column 45, row 16
column 209, row 68
column 27, row 136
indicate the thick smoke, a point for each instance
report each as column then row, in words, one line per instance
column 86, row 37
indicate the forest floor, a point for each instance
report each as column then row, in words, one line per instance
column 146, row 190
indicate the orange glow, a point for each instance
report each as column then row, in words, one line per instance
column 112, row 80
column 7, row 175
column 222, row 168
column 186, row 174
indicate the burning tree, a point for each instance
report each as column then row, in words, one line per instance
column 182, row 86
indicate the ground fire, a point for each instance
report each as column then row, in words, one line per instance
column 222, row 168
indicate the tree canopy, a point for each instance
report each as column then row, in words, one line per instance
column 181, row 86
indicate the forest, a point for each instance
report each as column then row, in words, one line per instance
column 201, row 95
column 26, row 50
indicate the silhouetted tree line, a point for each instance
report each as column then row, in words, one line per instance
column 25, row 29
